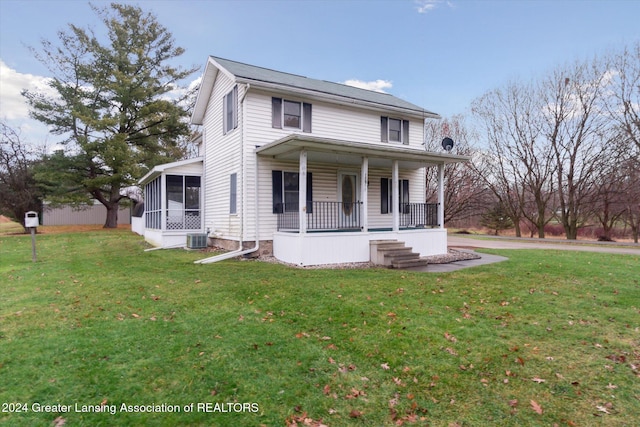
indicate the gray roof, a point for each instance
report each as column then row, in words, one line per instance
column 259, row 74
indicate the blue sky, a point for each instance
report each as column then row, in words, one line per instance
column 437, row 54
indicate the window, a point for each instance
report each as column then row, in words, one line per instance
column 233, row 194
column 386, row 195
column 230, row 111
column 285, row 191
column 394, row 130
column 290, row 114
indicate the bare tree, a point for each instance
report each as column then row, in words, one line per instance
column 623, row 103
column 518, row 167
column 575, row 126
column 611, row 187
column 465, row 196
column 18, row 191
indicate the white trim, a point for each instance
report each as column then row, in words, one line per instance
column 157, row 170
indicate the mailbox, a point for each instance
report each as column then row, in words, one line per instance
column 31, row 219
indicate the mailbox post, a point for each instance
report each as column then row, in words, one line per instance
column 31, row 221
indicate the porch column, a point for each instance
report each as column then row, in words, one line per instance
column 164, row 204
column 302, row 192
column 395, row 196
column 364, row 181
column 441, row 195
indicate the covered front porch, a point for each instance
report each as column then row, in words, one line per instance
column 311, row 232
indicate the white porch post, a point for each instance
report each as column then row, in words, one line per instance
column 302, row 192
column 441, row 195
column 395, row 196
column 164, row 203
column 364, row 196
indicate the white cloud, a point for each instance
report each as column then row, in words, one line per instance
column 375, row 85
column 13, row 105
column 426, row 6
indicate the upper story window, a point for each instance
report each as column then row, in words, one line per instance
column 230, row 111
column 287, row 114
column 394, row 130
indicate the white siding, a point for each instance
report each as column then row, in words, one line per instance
column 328, row 121
column 222, row 158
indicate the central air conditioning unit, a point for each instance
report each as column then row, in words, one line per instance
column 196, row 241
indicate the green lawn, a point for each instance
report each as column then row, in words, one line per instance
column 97, row 324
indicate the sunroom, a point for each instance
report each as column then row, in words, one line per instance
column 370, row 200
column 172, row 202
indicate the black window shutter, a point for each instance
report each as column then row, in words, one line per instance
column 404, row 195
column 276, row 181
column 384, row 195
column 276, row 113
column 384, row 132
column 309, row 193
column 306, row 116
column 405, row 131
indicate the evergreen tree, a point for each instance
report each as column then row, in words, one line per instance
column 112, row 104
column 496, row 219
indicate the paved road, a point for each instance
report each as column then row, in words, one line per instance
column 462, row 241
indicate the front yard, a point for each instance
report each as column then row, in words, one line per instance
column 98, row 332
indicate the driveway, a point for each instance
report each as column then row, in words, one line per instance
column 467, row 242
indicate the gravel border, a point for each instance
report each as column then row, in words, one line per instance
column 453, row 255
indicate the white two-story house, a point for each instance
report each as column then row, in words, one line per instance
column 308, row 170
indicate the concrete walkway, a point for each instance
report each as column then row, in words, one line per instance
column 468, row 243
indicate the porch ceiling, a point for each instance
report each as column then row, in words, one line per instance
column 350, row 153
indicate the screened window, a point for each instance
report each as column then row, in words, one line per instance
column 182, row 202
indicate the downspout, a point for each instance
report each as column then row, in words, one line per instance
column 240, row 251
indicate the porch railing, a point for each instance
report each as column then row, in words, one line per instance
column 348, row 216
column 323, row 216
column 183, row 219
column 419, row 215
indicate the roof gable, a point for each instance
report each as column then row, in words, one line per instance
column 252, row 74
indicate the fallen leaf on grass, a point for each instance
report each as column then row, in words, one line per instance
column 601, row 408
column 385, row 366
column 451, row 351
column 536, row 407
column 304, row 420
column 355, row 413
column 59, row 422
column 450, row 337
column 538, row 380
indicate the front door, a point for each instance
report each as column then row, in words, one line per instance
column 348, row 192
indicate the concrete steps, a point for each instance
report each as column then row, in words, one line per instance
column 394, row 254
